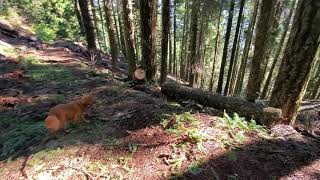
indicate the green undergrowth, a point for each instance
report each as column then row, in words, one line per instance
column 228, row 132
column 235, row 130
column 184, row 125
column 38, row 72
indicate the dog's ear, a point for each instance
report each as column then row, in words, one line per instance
column 88, row 99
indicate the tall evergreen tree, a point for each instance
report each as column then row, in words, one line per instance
column 165, row 38
column 258, row 61
column 88, row 25
column 193, row 42
column 79, row 17
column 234, row 47
column 246, row 49
column 148, row 15
column 129, row 35
column 298, row 59
column 215, row 49
column 225, row 48
column 278, row 51
column 111, row 31
column 183, row 63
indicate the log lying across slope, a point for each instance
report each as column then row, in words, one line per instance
column 261, row 113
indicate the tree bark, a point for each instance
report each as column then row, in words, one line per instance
column 263, row 114
column 215, row 50
column 316, row 86
column 234, row 47
column 89, row 29
column 271, row 42
column 258, row 61
column 129, row 35
column 95, row 22
column 183, row 43
column 102, row 27
column 276, row 57
column 79, row 17
column 148, row 21
column 225, row 48
column 175, row 64
column 298, row 59
column 170, row 53
column 120, row 24
column 165, row 38
column 193, row 42
column 244, row 59
column 116, row 20
column 236, row 64
column 111, row 31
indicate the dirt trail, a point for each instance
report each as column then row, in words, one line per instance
column 124, row 138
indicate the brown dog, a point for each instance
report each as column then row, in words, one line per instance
column 72, row 111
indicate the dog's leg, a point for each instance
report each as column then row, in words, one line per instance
column 65, row 130
column 53, row 134
column 84, row 119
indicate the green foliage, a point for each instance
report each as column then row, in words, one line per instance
column 178, row 124
column 132, row 147
column 38, row 72
column 232, row 156
column 45, row 33
column 235, row 130
column 176, row 165
column 194, row 168
column 52, row 18
column 20, row 135
column 195, row 136
column 239, row 123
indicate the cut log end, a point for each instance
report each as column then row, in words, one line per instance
column 139, row 74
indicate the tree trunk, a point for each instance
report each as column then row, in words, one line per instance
column 234, row 47
column 129, row 35
column 164, row 40
column 316, row 86
column 170, row 52
column 174, row 40
column 115, row 20
column 120, row 24
column 193, row 42
column 258, row 61
column 202, row 45
column 276, row 57
column 111, row 31
column 183, row 43
column 215, row 50
column 148, row 12
column 298, row 59
column 102, row 27
column 263, row 114
column 89, row 29
column 95, row 22
column 246, row 49
column 78, row 14
column 225, row 48
column 273, row 33
column 236, row 64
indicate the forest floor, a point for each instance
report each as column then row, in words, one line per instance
column 132, row 133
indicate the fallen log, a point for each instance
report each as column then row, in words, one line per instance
column 261, row 113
